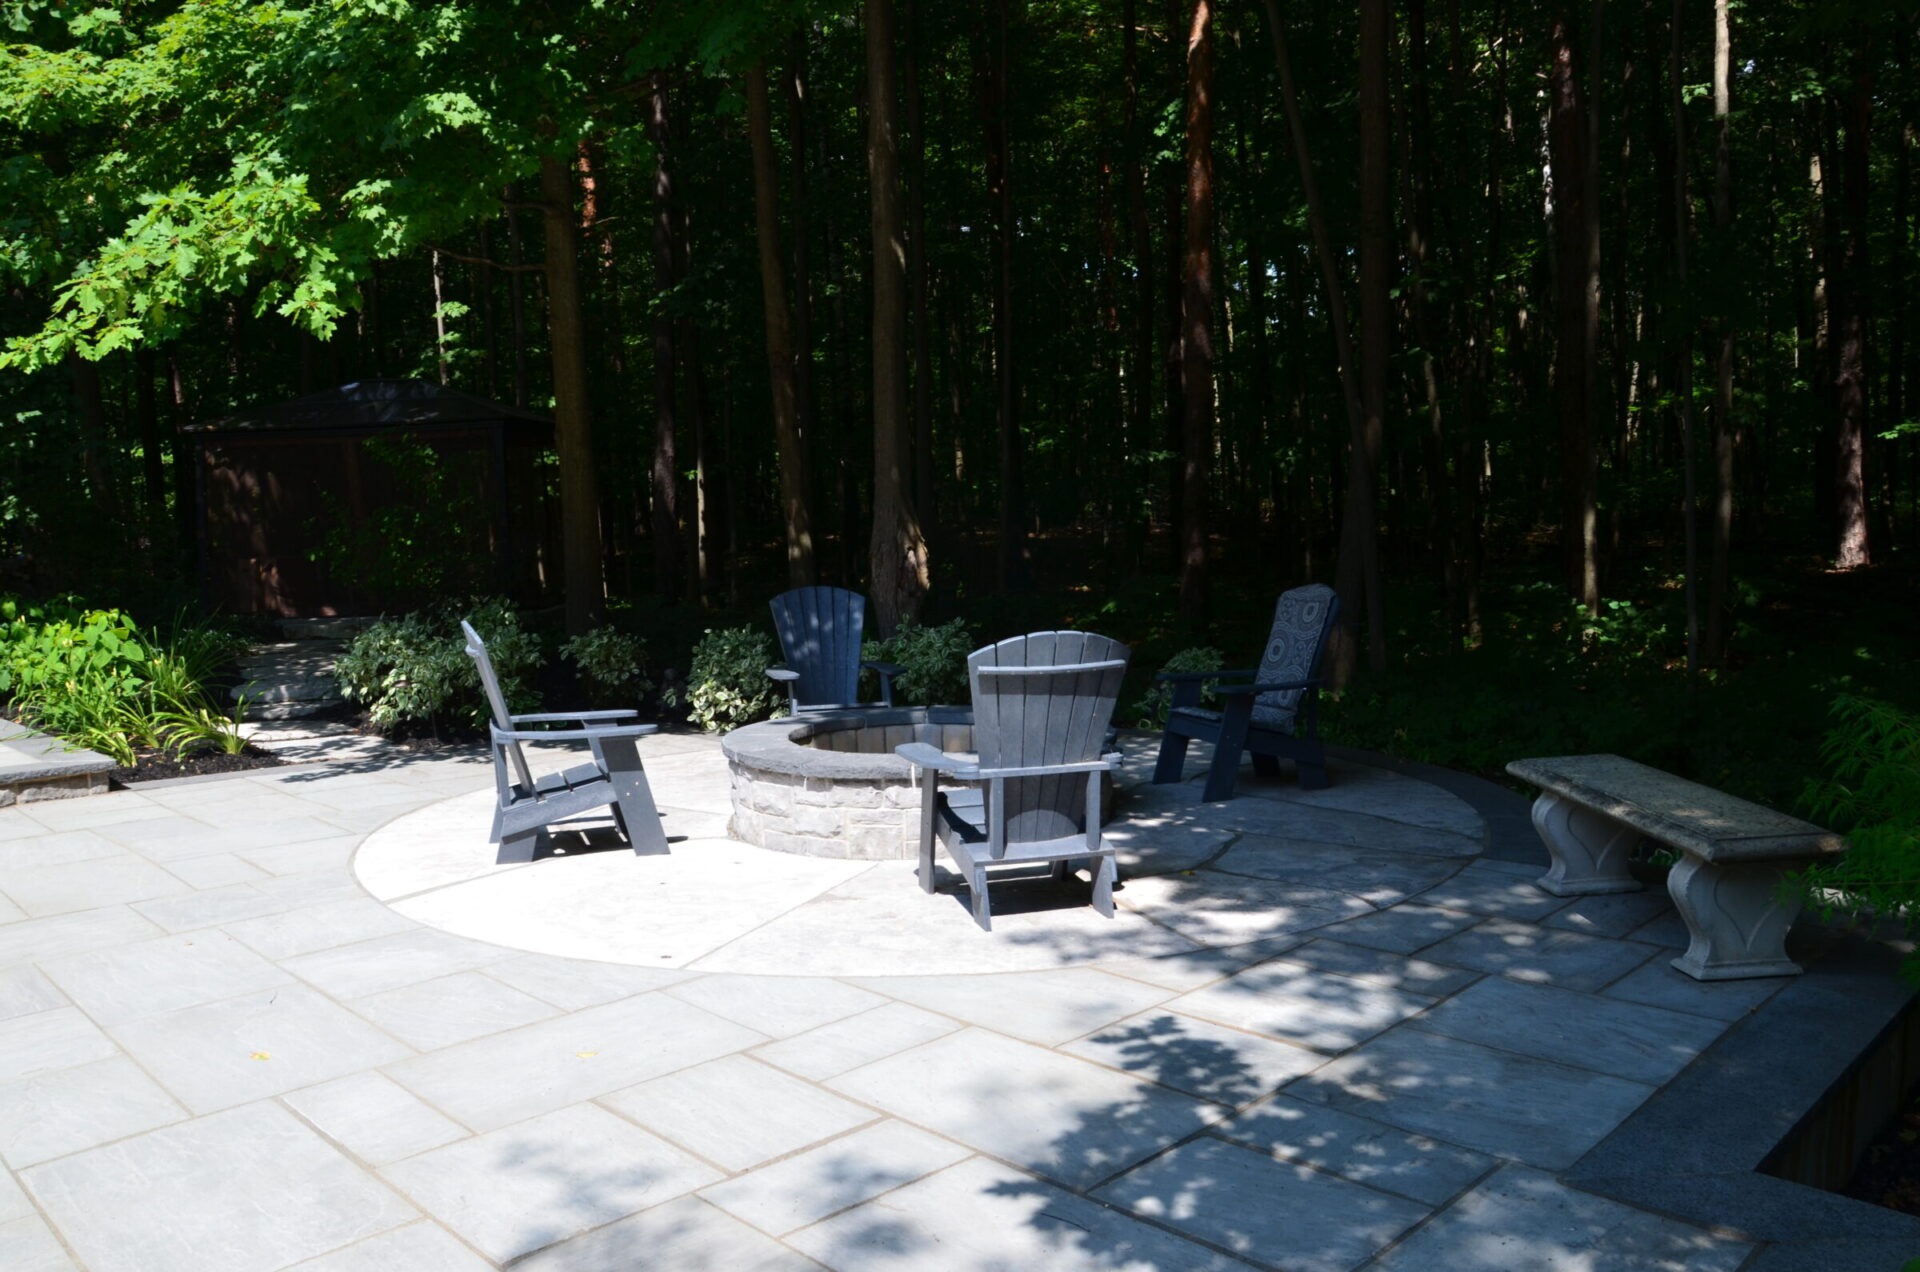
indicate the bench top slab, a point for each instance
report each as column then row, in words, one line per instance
column 1696, row 819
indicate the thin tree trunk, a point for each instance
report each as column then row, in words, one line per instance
column 147, row 411
column 916, row 174
column 897, row 557
column 1723, row 426
column 693, row 389
column 1141, row 374
column 1684, row 380
column 1419, row 181
column 806, row 395
column 572, row 411
column 439, row 315
column 664, row 529
column 1196, row 340
column 516, row 298
column 1849, row 318
column 1576, row 312
column 796, row 475
column 94, row 443
column 1012, row 476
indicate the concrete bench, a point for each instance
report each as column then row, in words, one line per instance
column 1593, row 810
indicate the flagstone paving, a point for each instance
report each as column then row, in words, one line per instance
column 299, row 1019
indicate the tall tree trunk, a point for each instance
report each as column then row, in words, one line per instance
column 693, row 390
column 1684, row 380
column 806, row 395
column 572, row 411
column 1359, row 564
column 796, row 474
column 1140, row 374
column 1576, row 310
column 664, row 529
column 147, row 410
column 897, row 557
column 1197, row 322
column 516, row 297
column 994, row 105
column 1723, row 426
column 916, row 174
column 1848, row 309
column 91, row 408
column 1418, row 150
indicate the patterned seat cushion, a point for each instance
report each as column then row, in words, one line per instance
column 1267, row 717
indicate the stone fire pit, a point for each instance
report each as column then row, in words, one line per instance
column 828, row 784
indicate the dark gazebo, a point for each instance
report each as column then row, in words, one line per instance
column 370, row 497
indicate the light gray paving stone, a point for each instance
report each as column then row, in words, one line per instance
column 1379, row 878
column 687, row 1235
column 331, row 852
column 28, row 1245
column 420, row 1247
column 13, row 1201
column 1197, row 1056
column 1496, row 1102
column 49, row 1040
column 37, row 940
column 1063, row 1117
column 308, row 928
column 1403, row 929
column 778, row 1006
column 1627, row 1040
column 1657, row 984
column 315, row 887
column 1382, row 967
column 25, row 849
column 572, row 983
column 43, row 891
column 1315, row 1009
column 374, row 1118
column 1615, row 914
column 363, row 820
column 1523, row 1218
column 23, row 991
column 525, row 1186
column 230, row 904
column 217, row 1055
column 216, row 871
column 65, row 1110
column 149, row 978
column 1182, row 972
column 1357, row 1148
column 845, row 1044
column 453, row 1009
column 1545, row 956
column 492, row 1082
column 1302, row 1219
column 737, row 1112
column 983, row 1215
column 1485, row 888
column 1215, row 909
column 845, row 1172
column 10, row 913
column 1667, row 930
column 248, row 1188
column 228, row 833
column 91, row 814
column 388, row 962
column 1048, row 1007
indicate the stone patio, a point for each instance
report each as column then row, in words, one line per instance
column 298, row 1019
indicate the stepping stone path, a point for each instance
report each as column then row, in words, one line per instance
column 285, row 683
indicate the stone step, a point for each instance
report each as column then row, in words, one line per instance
column 34, row 767
column 291, row 710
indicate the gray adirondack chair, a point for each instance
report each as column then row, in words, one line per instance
column 1042, row 704
column 820, row 639
column 528, row 805
column 1273, row 714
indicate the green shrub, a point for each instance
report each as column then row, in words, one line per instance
column 727, row 683
column 1872, row 791
column 1151, row 710
column 612, row 666
column 414, row 670
column 932, row 660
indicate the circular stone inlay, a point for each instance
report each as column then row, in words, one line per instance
column 827, row 784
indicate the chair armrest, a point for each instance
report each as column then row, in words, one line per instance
column 922, row 755
column 1102, row 764
column 600, row 734
column 884, row 668
column 549, row 717
column 782, row 674
column 1183, row 677
column 1227, row 691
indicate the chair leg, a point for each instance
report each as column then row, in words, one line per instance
column 982, row 911
column 1104, row 874
column 633, row 798
column 522, row 845
column 1266, row 765
column 929, row 793
column 1173, row 755
column 1226, row 752
column 1311, row 764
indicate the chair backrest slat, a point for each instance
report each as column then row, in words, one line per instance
column 820, row 630
column 497, row 702
column 1303, row 619
column 1044, row 699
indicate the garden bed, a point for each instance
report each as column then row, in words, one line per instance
column 157, row 766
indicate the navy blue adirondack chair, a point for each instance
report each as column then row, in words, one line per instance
column 1042, row 710
column 528, row 805
column 820, row 631
column 1274, row 713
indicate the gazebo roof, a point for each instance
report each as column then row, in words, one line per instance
column 369, row 405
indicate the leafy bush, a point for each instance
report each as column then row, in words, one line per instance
column 727, row 683
column 414, row 670
column 1151, row 710
column 612, row 666
column 94, row 679
column 932, row 660
column 1872, row 791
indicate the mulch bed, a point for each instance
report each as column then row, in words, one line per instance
column 154, row 766
column 1889, row 1174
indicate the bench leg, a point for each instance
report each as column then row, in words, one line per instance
column 1589, row 850
column 1737, row 919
